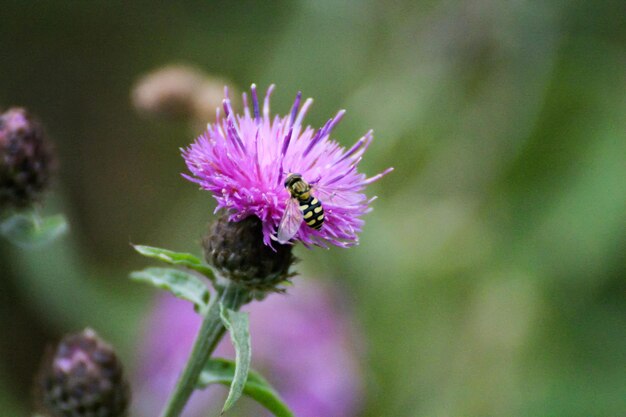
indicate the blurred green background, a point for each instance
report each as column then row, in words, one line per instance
column 490, row 279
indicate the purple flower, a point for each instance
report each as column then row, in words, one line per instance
column 244, row 160
column 303, row 343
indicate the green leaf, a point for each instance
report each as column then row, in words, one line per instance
column 29, row 230
column 222, row 371
column 239, row 327
column 176, row 258
column 180, row 283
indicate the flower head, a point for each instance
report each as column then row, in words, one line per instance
column 244, row 161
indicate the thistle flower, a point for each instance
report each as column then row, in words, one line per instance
column 243, row 160
column 82, row 378
column 305, row 343
column 26, row 159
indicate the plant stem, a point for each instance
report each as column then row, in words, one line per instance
column 210, row 334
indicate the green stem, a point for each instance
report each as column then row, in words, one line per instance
column 208, row 337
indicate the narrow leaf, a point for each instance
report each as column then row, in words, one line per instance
column 186, row 260
column 239, row 327
column 180, row 283
column 222, row 371
column 29, row 230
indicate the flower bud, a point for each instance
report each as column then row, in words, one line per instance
column 167, row 92
column 208, row 97
column 82, row 378
column 26, row 159
column 237, row 251
column 178, row 92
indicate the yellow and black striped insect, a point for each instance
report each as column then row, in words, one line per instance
column 301, row 206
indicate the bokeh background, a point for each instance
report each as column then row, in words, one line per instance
column 491, row 276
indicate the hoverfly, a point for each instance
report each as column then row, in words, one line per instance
column 301, row 206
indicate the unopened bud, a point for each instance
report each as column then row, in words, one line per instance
column 179, row 92
column 82, row 377
column 26, row 159
column 208, row 98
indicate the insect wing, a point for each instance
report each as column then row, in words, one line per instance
column 329, row 196
column 290, row 223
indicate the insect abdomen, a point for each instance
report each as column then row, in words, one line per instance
column 313, row 212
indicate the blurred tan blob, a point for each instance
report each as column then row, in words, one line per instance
column 179, row 92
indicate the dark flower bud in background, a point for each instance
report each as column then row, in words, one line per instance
column 237, row 251
column 178, row 92
column 26, row 159
column 82, row 377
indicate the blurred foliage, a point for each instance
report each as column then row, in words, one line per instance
column 490, row 279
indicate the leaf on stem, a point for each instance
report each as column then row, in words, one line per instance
column 238, row 326
column 30, row 230
column 222, row 371
column 180, row 283
column 186, row 260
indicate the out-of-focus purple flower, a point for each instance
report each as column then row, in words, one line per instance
column 306, row 346
column 244, row 160
column 302, row 342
